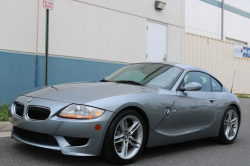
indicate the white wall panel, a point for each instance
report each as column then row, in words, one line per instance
column 174, row 48
column 18, row 25
column 171, row 14
column 237, row 27
column 240, row 4
column 201, row 17
column 205, row 19
column 87, row 31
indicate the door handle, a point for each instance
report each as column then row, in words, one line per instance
column 212, row 100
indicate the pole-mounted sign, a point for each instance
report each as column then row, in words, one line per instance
column 48, row 5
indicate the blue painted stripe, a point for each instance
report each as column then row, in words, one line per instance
column 20, row 72
column 213, row 2
column 17, row 74
column 64, row 70
column 228, row 8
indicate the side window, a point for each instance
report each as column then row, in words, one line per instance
column 200, row 78
column 167, row 78
column 216, row 86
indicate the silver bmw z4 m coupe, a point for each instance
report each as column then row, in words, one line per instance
column 141, row 105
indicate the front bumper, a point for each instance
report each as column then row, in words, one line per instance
column 60, row 128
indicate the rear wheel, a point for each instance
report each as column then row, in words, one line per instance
column 229, row 126
column 125, row 138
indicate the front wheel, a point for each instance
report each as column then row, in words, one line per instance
column 229, row 126
column 125, row 138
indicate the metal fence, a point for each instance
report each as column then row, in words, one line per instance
column 217, row 57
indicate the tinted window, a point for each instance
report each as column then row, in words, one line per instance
column 166, row 79
column 156, row 75
column 216, row 86
column 200, row 78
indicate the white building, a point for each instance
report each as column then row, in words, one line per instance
column 90, row 39
column 204, row 17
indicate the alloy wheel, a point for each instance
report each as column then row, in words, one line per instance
column 128, row 137
column 231, row 124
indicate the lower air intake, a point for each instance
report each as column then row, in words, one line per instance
column 34, row 137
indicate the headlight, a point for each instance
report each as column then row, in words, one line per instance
column 81, row 112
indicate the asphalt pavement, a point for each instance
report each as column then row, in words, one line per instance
column 199, row 152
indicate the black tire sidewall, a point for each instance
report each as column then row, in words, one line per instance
column 109, row 139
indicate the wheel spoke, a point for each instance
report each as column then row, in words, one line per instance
column 125, row 148
column 227, row 131
column 232, row 131
column 134, row 145
column 225, row 123
column 119, row 136
column 134, row 128
column 134, row 140
column 229, row 116
column 119, row 140
column 125, row 124
column 133, row 125
column 233, row 121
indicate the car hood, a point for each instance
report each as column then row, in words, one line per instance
column 85, row 92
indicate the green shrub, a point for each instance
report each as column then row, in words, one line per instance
column 242, row 96
column 4, row 113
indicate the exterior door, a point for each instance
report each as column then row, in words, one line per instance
column 196, row 110
column 156, row 42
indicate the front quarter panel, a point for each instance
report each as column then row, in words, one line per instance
column 153, row 104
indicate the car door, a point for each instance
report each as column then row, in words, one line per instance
column 195, row 109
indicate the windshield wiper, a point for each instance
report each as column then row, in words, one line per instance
column 104, row 80
column 130, row 82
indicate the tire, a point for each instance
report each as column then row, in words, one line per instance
column 229, row 131
column 116, row 152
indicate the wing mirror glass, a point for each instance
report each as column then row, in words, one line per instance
column 192, row 86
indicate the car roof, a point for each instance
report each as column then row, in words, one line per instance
column 187, row 68
column 183, row 66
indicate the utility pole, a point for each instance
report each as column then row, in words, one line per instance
column 48, row 5
column 46, row 47
column 222, row 20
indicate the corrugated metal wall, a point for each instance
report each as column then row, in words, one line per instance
column 217, row 57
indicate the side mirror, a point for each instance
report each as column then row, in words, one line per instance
column 193, row 86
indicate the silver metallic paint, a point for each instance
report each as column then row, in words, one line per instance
column 195, row 117
column 193, row 86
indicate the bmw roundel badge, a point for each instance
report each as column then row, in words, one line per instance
column 29, row 100
column 167, row 112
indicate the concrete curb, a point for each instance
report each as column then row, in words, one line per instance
column 5, row 134
column 5, row 126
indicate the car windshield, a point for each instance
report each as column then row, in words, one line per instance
column 150, row 74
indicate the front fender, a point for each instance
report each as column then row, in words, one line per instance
column 154, row 105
